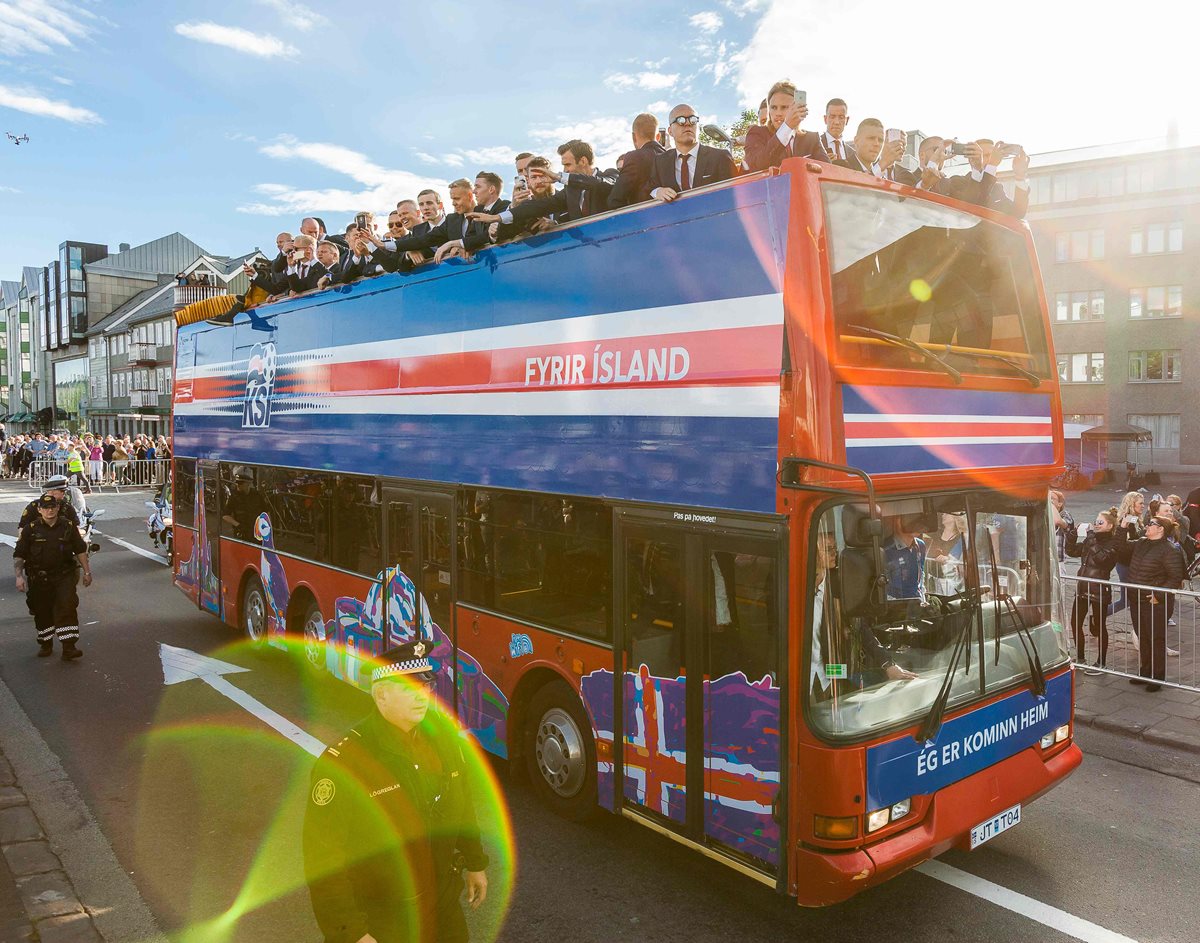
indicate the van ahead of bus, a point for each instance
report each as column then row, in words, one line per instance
column 727, row 515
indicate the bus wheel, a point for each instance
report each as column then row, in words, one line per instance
column 254, row 613
column 559, row 753
column 314, row 638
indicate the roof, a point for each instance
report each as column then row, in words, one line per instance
column 1118, row 432
column 31, row 277
column 164, row 256
column 149, row 303
column 1111, row 151
column 9, row 293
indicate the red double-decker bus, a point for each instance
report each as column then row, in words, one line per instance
column 727, row 515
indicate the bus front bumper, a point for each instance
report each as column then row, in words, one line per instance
column 828, row 877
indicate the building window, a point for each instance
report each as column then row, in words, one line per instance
column 1081, row 368
column 1156, row 238
column 1080, row 245
column 1079, row 306
column 1084, row 420
column 1157, row 301
column 1155, row 366
column 1164, row 427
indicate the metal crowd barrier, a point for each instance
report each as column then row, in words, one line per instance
column 129, row 474
column 1179, row 619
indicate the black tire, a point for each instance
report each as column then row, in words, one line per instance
column 314, row 637
column 560, row 755
column 254, row 613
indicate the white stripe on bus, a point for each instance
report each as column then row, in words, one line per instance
column 696, row 317
column 947, row 440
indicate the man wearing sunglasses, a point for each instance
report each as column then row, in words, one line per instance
column 689, row 163
column 767, row 145
column 390, row 834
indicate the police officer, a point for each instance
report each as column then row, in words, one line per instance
column 44, row 561
column 243, row 506
column 67, row 495
column 390, row 834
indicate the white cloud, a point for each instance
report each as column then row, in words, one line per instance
column 61, row 80
column 741, row 7
column 1019, row 107
column 378, row 188
column 42, row 26
column 296, row 15
column 609, row 137
column 659, row 107
column 706, row 22
column 263, row 45
column 648, row 81
column 489, row 155
column 34, row 103
column 426, row 158
column 4, row 189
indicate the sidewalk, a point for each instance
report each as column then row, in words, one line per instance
column 37, row 900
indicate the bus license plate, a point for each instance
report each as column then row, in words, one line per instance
column 1001, row 822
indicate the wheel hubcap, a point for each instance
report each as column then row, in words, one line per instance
column 559, row 749
column 256, row 616
column 314, row 639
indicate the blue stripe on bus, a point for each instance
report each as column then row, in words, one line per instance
column 885, row 401
column 655, row 257
column 882, row 459
column 704, row 461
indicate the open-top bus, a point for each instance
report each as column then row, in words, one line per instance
column 726, row 515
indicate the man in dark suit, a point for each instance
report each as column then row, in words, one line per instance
column 454, row 227
column 837, row 115
column 767, row 145
column 689, row 163
column 633, row 184
column 303, row 271
column 985, row 166
column 329, row 255
column 583, row 192
column 870, row 155
column 487, row 193
column 283, row 242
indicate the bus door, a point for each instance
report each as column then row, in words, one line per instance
column 419, row 566
column 700, row 657
column 209, row 576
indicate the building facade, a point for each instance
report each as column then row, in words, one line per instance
column 1117, row 230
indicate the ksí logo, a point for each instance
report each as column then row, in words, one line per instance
column 260, row 384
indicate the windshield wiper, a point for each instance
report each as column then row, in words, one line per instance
column 933, row 720
column 1034, row 380
column 1036, row 676
column 907, row 344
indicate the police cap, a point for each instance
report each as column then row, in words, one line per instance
column 56, row 483
column 48, row 501
column 405, row 661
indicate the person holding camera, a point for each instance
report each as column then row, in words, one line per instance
column 1129, row 520
column 769, row 144
column 1153, row 560
column 302, row 274
column 877, row 152
column 1097, row 556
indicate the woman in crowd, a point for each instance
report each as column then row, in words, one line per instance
column 1097, row 556
column 1129, row 519
column 1153, row 560
column 1063, row 521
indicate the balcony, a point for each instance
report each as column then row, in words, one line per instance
column 190, row 294
column 143, row 399
column 143, row 352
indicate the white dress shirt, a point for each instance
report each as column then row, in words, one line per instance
column 834, row 147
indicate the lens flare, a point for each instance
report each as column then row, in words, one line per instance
column 223, row 800
column 920, row 289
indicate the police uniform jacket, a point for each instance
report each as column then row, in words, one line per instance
column 388, row 822
column 66, row 511
column 49, row 551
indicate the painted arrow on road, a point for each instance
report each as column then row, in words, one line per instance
column 179, row 664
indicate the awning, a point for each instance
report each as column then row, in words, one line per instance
column 1121, row 432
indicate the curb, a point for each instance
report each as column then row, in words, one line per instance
column 72, row 886
column 1171, row 739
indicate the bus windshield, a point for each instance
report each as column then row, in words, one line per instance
column 976, row 569
column 911, row 278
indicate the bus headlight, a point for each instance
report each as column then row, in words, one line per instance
column 901, row 809
column 1048, row 741
column 1062, row 733
column 878, row 819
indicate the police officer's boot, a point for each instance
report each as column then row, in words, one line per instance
column 70, row 651
column 45, row 649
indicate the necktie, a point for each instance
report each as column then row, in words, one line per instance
column 466, row 223
column 841, row 153
column 585, row 204
column 685, row 178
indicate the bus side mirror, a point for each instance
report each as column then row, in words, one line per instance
column 856, row 578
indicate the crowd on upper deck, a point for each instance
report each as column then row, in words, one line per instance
column 421, row 230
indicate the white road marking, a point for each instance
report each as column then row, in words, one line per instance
column 8, row 541
column 142, row 551
column 179, row 664
column 1075, row 927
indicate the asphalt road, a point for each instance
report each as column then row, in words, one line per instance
column 201, row 803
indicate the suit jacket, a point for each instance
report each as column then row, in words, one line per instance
column 902, row 175
column 827, row 144
column 763, row 149
column 711, row 165
column 853, row 162
column 992, row 195
column 633, row 185
column 291, row 281
column 583, row 195
column 279, row 264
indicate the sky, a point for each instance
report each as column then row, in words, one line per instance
column 228, row 121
